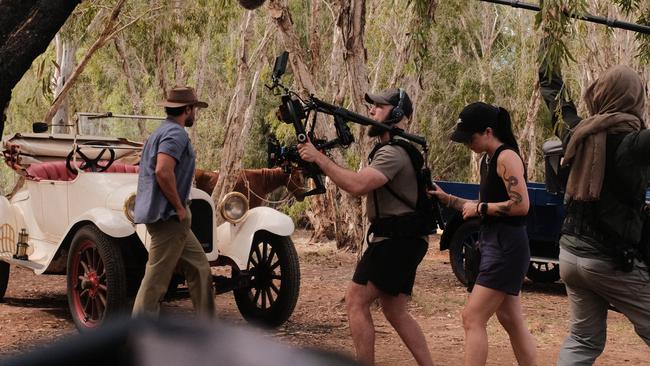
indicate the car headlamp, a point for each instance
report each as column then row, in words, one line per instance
column 129, row 208
column 233, row 207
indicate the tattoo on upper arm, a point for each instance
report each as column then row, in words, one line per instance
column 515, row 198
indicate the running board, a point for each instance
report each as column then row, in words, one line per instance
column 21, row 263
column 223, row 284
column 545, row 260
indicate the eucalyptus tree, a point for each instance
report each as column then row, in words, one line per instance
column 445, row 53
column 28, row 26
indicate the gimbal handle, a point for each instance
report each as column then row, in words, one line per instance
column 348, row 115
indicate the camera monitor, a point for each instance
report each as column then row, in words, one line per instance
column 280, row 65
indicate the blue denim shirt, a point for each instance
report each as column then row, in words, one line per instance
column 150, row 203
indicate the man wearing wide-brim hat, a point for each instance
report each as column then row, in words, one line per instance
column 161, row 203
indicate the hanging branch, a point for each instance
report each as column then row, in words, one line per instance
column 27, row 29
column 111, row 30
column 136, row 98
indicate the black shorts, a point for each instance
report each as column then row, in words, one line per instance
column 505, row 257
column 391, row 264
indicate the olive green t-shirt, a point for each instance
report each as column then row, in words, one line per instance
column 394, row 163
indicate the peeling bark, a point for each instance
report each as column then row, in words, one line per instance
column 528, row 135
column 109, row 32
column 241, row 109
column 322, row 212
column 201, row 64
column 136, row 98
column 65, row 52
column 351, row 23
column 314, row 37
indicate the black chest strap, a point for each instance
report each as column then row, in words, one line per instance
column 416, row 160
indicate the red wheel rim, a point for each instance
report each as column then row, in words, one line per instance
column 89, row 291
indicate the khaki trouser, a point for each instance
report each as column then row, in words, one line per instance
column 173, row 242
column 592, row 285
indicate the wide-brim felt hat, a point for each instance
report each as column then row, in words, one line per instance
column 181, row 97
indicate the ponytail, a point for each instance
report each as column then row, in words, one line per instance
column 503, row 129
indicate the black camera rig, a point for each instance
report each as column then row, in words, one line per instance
column 297, row 112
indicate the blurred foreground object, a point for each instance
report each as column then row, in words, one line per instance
column 251, row 4
column 170, row 342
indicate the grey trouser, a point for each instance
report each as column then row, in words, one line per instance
column 592, row 285
column 172, row 242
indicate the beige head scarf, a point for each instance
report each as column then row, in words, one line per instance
column 616, row 103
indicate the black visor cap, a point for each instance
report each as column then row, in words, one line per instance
column 475, row 117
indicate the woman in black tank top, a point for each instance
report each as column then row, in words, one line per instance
column 502, row 207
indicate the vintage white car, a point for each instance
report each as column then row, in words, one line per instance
column 73, row 215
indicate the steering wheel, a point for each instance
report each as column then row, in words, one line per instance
column 88, row 163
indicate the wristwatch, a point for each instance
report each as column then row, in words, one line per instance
column 483, row 209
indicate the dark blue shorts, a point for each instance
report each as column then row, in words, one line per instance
column 391, row 264
column 505, row 257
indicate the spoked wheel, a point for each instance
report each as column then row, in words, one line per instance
column 96, row 278
column 543, row 272
column 465, row 237
column 4, row 279
column 275, row 281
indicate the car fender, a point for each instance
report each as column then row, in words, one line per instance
column 234, row 241
column 51, row 255
column 110, row 222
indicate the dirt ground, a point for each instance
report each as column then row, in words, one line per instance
column 35, row 312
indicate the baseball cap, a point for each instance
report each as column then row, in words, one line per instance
column 475, row 117
column 391, row 96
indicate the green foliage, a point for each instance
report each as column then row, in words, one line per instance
column 447, row 66
column 628, row 6
column 295, row 210
column 644, row 39
column 555, row 20
column 421, row 31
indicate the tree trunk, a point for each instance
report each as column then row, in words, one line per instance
column 136, row 98
column 28, row 26
column 109, row 32
column 181, row 42
column 159, row 60
column 240, row 110
column 337, row 72
column 528, row 138
column 201, row 64
column 351, row 218
column 65, row 59
column 280, row 14
column 314, row 37
column 322, row 213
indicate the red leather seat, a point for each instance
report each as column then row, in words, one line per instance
column 118, row 167
column 51, row 170
column 57, row 170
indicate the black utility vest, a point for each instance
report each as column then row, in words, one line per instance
column 616, row 220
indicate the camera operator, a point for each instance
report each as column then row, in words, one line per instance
column 601, row 246
column 387, row 268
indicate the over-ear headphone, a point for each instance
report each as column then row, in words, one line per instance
column 398, row 111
